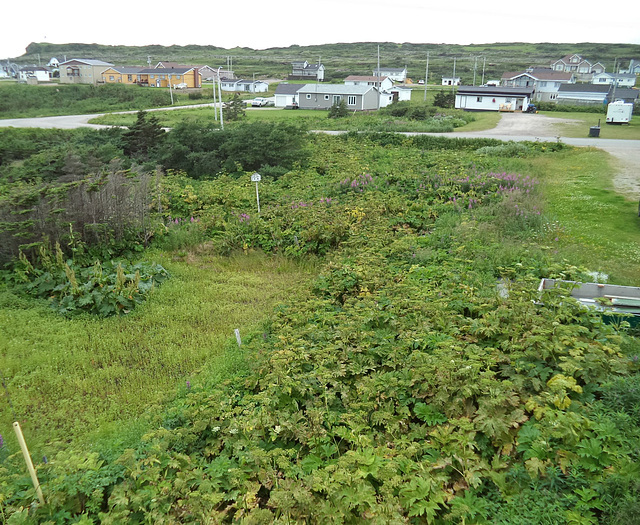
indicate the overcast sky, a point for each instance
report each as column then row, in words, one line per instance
column 260, row 25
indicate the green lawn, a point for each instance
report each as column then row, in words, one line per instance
column 586, row 120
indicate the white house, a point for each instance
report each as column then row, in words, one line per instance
column 384, row 83
column 620, row 80
column 490, row 98
column 41, row 74
column 401, row 94
column 53, row 62
column 545, row 82
column 451, row 81
column 286, row 95
column 395, row 74
column 252, row 86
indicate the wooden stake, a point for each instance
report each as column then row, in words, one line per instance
column 27, row 459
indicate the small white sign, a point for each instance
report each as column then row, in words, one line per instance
column 255, row 177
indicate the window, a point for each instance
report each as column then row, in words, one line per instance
column 337, row 99
column 178, row 77
column 326, row 97
column 507, row 100
column 478, row 99
column 308, row 96
column 111, row 78
column 351, row 100
column 129, row 78
column 152, row 76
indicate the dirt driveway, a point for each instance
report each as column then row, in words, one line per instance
column 524, row 126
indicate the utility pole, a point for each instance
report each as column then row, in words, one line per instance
column 475, row 67
column 215, row 107
column 484, row 63
column 220, row 98
column 378, row 77
column 426, row 78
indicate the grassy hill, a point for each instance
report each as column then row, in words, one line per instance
column 341, row 59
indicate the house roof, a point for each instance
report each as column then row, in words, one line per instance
column 125, row 70
column 243, row 81
column 619, row 76
column 364, row 78
column 540, row 74
column 391, row 69
column 40, row 68
column 583, row 88
column 162, row 71
column 87, row 61
column 627, row 93
column 337, row 89
column 495, row 90
column 288, row 89
column 164, row 65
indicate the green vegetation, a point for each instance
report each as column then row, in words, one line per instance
column 17, row 100
column 420, row 118
column 357, row 58
column 395, row 382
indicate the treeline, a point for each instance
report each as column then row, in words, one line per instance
column 102, row 185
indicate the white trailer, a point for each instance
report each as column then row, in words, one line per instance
column 619, row 112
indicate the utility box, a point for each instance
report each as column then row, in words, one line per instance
column 619, row 113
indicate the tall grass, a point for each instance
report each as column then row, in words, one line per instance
column 66, row 378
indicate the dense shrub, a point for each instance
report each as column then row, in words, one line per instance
column 567, row 108
column 113, row 288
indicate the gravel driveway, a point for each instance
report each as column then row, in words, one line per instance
column 525, row 126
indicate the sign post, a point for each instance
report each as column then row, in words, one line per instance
column 256, row 178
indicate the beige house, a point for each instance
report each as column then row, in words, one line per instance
column 82, row 71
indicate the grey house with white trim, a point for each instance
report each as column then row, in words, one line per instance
column 302, row 70
column 545, row 82
column 323, row 96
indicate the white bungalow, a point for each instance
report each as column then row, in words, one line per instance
column 490, row 98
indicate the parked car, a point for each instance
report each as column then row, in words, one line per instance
column 259, row 102
column 182, row 85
